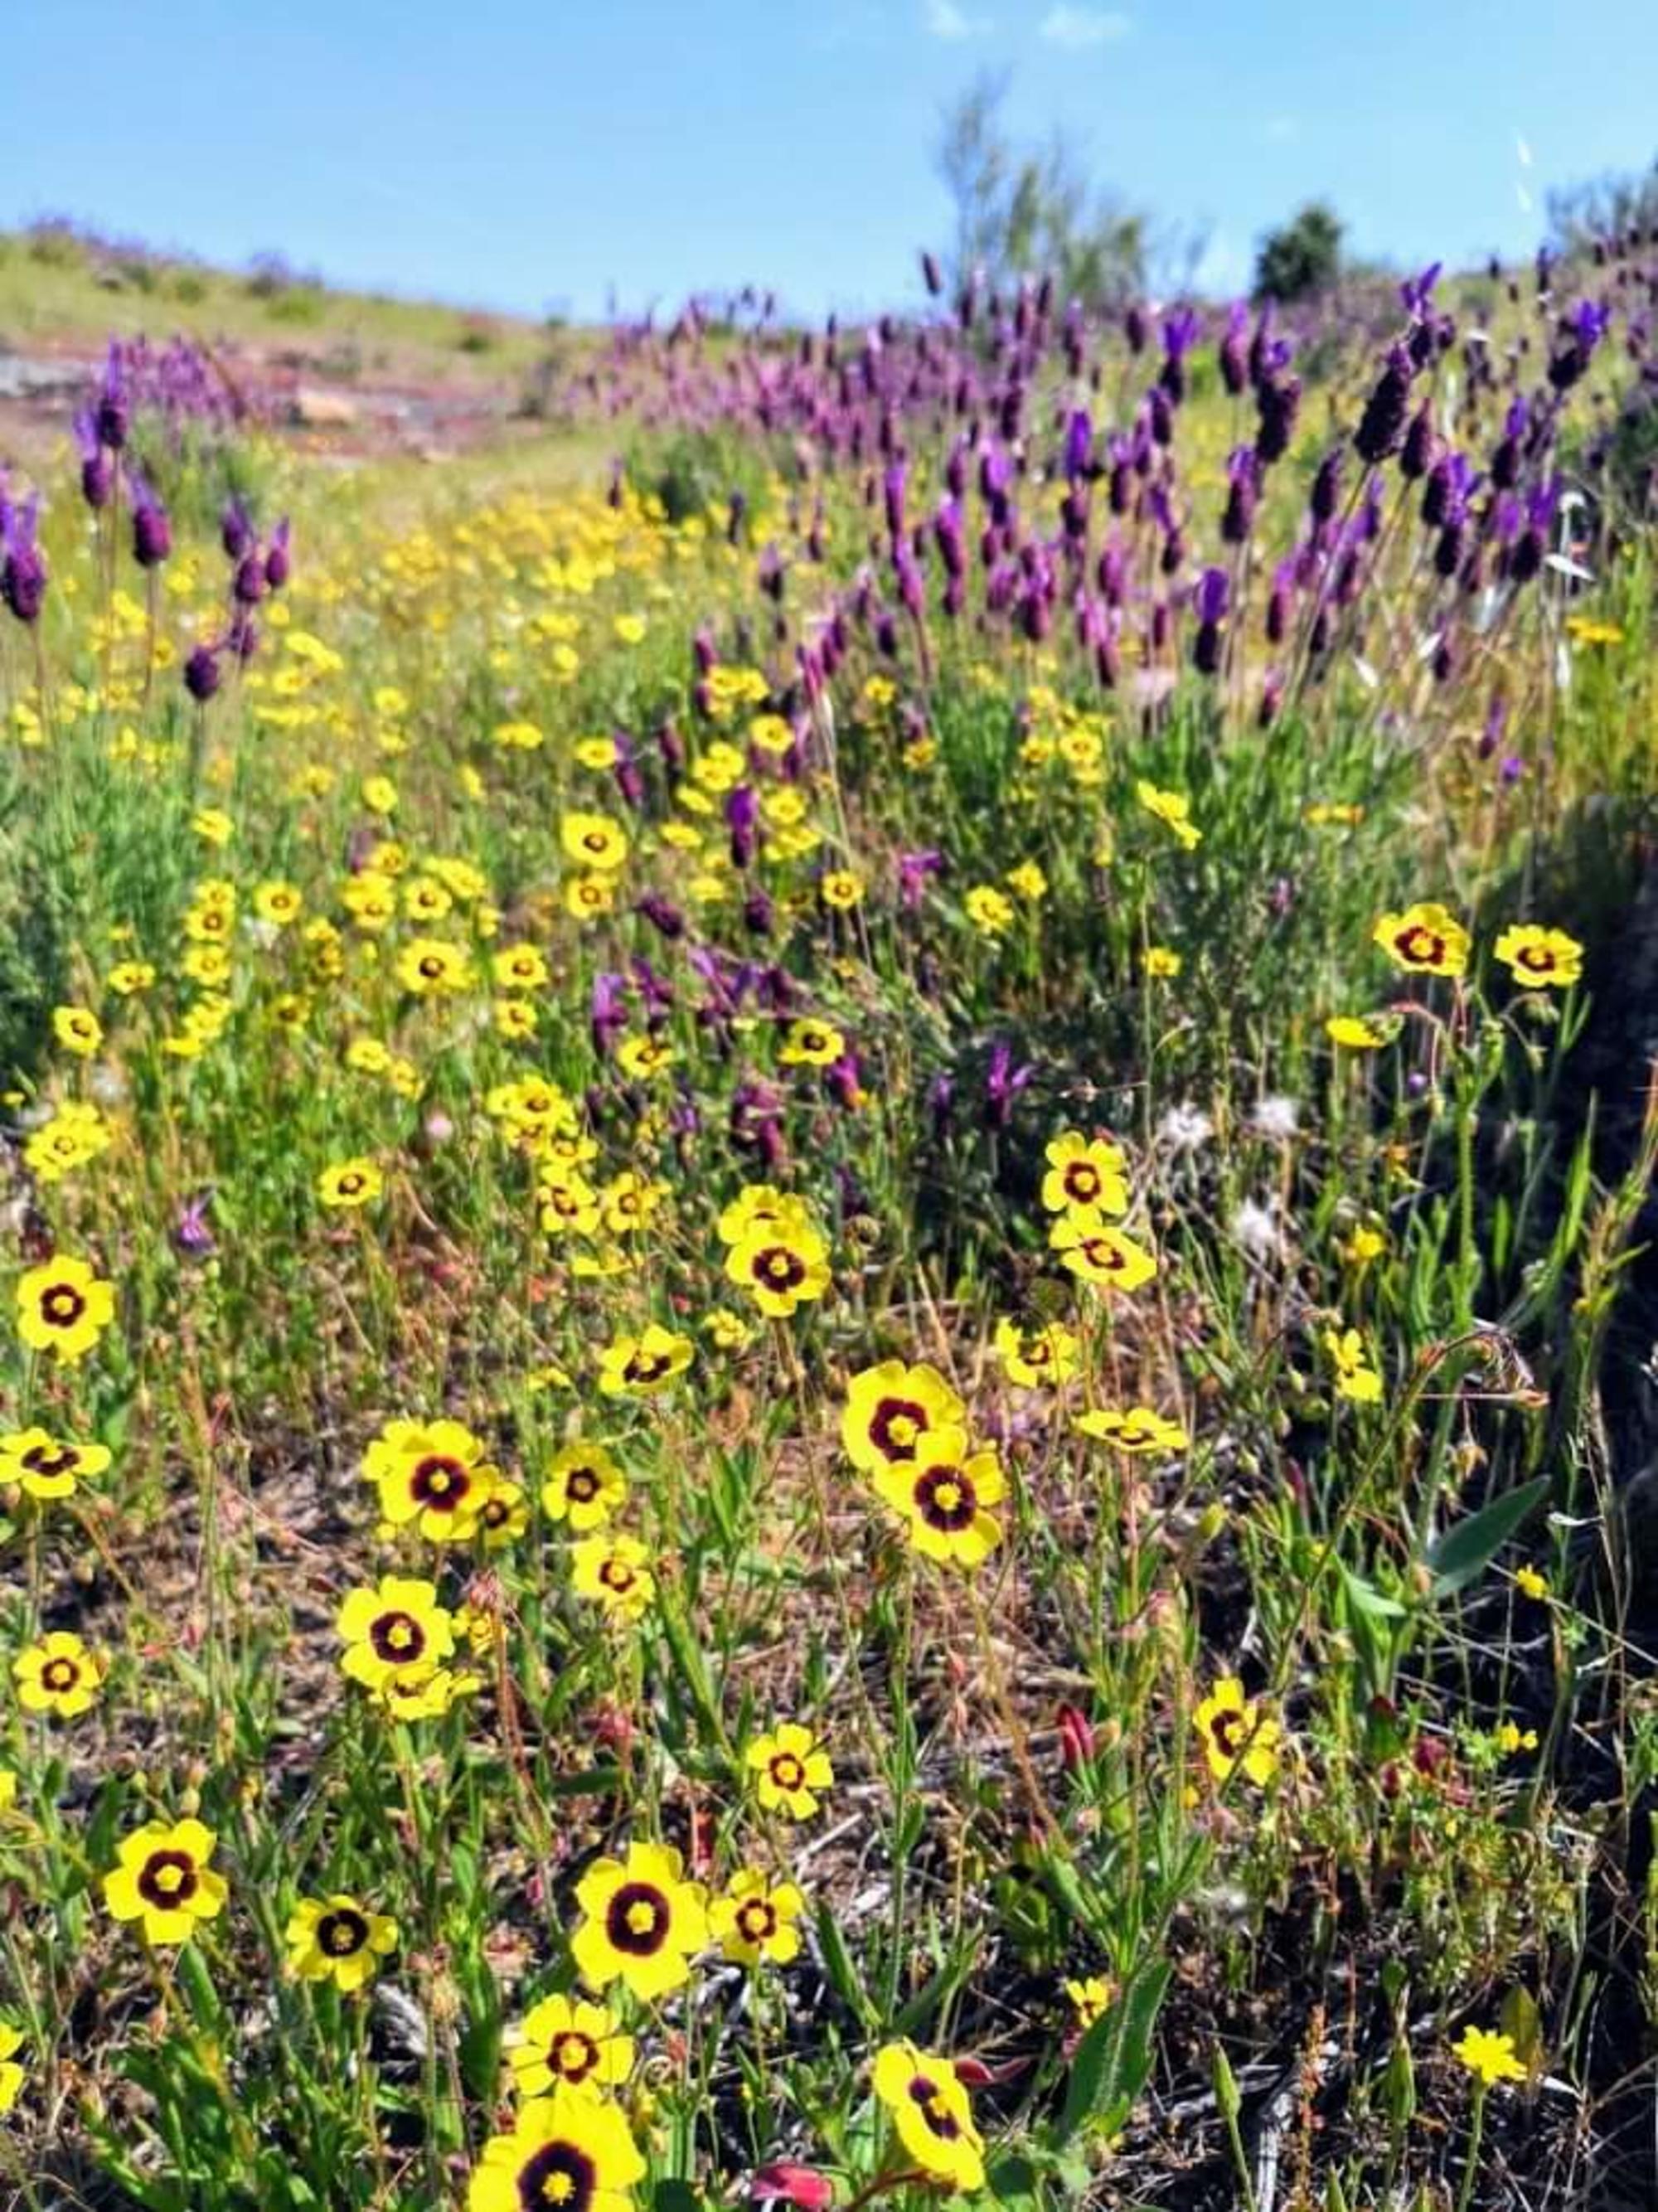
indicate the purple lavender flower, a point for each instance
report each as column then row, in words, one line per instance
column 97, row 474
column 609, row 1015
column 1003, row 1083
column 1383, row 423
column 278, row 562
column 111, row 415
column 236, row 531
column 22, row 568
column 1209, row 604
column 190, row 1232
column 914, row 869
column 1233, row 353
column 201, row 673
column 152, row 533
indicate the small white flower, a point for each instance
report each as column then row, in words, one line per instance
column 1276, row 1117
column 1256, row 1228
column 1185, row 1127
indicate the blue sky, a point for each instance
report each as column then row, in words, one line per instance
column 527, row 153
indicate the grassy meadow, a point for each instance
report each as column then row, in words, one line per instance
column 826, row 1292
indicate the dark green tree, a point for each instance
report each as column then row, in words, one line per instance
column 1302, row 257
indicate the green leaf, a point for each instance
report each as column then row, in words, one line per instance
column 1114, row 2060
column 1364, row 1598
column 1463, row 1554
column 837, row 1964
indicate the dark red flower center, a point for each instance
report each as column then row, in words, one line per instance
column 1417, row 942
column 637, row 1920
column 945, row 1498
column 399, row 1638
column 62, row 1304
column 756, row 1920
column 581, row 1486
column 558, row 2173
column 778, row 1268
column 60, row 1674
column 1082, row 1183
column 896, row 1427
column 52, row 1460
column 168, row 1880
column 925, row 2091
column 439, row 1483
column 341, row 1933
column 571, row 2055
column 787, row 1771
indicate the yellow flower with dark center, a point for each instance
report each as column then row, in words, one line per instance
column 571, row 2152
column 351, row 1183
column 613, row 1570
column 64, row 1307
column 429, row 966
column 1355, row 1376
column 1424, row 939
column 809, row 1044
column 504, row 1515
column 427, row 900
column 396, row 1628
column 628, row 1201
column 943, row 1496
column 780, row 1268
column 1542, row 959
column 594, row 841
column 78, row 1030
column 434, row 1474
column 1173, row 809
column 644, row 1056
column 569, row 1205
column 77, row 1133
column 1490, row 2057
column 1091, row 1998
column 1235, row 1732
column 1162, row 964
column 43, row 1466
column 518, row 967
column 562, row 2040
column 841, row 890
column 586, row 896
column 11, row 2074
column 584, row 1487
column 754, row 1922
column 892, row 1409
column 790, row 1770
column 278, row 904
column 1099, row 1253
column 1136, row 1430
column 1084, row 1175
column 57, row 1676
column 932, row 2114
column 129, row 977
column 161, row 1879
column 643, row 1923
column 335, row 1939
column 515, row 1019
column 1038, row 1357
column 639, row 1366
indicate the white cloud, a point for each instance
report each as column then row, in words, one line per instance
column 946, row 20
column 1077, row 27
